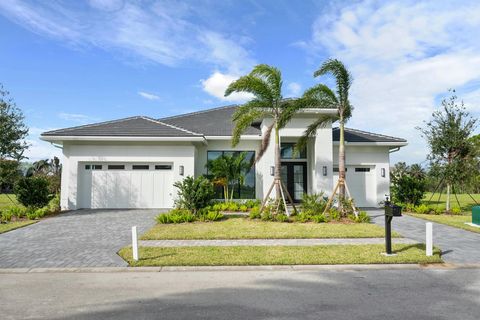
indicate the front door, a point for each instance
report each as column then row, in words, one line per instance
column 294, row 175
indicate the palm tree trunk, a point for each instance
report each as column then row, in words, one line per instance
column 278, row 164
column 341, row 162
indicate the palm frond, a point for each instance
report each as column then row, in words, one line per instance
column 243, row 121
column 343, row 78
column 322, row 122
column 289, row 108
column 272, row 75
column 265, row 142
column 321, row 96
column 252, row 105
column 251, row 84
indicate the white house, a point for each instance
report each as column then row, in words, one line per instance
column 133, row 162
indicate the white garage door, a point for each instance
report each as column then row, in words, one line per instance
column 361, row 182
column 125, row 185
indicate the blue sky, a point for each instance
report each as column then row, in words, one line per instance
column 71, row 62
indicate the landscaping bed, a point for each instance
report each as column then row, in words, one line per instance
column 278, row 255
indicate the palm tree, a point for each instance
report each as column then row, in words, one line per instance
column 264, row 82
column 321, row 96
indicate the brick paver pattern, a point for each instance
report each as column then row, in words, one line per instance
column 82, row 238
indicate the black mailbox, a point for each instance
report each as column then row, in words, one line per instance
column 393, row 210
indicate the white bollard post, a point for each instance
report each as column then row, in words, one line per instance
column 429, row 240
column 134, row 243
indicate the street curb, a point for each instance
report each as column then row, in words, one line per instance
column 341, row 267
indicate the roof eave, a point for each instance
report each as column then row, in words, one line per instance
column 375, row 143
column 118, row 138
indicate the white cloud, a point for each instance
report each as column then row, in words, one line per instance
column 148, row 96
column 218, row 82
column 403, row 54
column 293, row 89
column 77, row 117
column 107, row 5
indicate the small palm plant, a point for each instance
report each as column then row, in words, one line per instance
column 321, row 96
column 264, row 82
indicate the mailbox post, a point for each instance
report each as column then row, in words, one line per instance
column 391, row 211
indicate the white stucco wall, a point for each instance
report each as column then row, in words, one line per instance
column 377, row 156
column 179, row 153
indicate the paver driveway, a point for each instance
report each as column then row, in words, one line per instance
column 82, row 238
column 457, row 245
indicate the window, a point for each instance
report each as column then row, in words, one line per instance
column 163, row 167
column 245, row 190
column 362, row 169
column 116, row 167
column 140, row 167
column 336, row 169
column 93, row 167
column 287, row 152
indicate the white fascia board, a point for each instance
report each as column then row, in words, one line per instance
column 318, row 111
column 114, row 138
column 245, row 137
column 383, row 144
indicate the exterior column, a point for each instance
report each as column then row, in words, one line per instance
column 322, row 156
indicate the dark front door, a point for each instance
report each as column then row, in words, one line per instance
column 294, row 175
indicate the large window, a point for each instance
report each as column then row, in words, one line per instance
column 287, row 152
column 240, row 191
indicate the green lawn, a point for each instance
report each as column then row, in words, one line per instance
column 466, row 202
column 5, row 227
column 6, row 200
column 457, row 221
column 243, row 228
column 281, row 255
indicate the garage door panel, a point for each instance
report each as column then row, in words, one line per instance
column 361, row 184
column 125, row 188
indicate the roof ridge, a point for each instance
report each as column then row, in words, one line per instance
column 198, row 112
column 371, row 133
column 171, row 125
column 91, row 125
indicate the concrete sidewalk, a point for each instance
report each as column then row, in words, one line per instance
column 269, row 242
column 457, row 245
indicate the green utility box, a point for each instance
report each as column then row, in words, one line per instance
column 476, row 215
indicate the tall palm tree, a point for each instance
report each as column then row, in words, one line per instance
column 264, row 82
column 321, row 96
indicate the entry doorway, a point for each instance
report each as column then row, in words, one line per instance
column 294, row 175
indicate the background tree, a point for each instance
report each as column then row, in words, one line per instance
column 264, row 82
column 13, row 132
column 321, row 96
column 448, row 135
column 408, row 183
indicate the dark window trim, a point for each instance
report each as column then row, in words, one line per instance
column 140, row 167
column 292, row 144
column 336, row 169
column 163, row 167
column 116, row 167
column 362, row 169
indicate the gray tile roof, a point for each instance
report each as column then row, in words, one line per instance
column 211, row 122
column 134, row 126
column 354, row 135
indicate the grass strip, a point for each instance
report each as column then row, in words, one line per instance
column 5, row 227
column 244, row 228
column 281, row 255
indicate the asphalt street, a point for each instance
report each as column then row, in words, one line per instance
column 258, row 294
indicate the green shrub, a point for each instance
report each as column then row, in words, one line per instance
column 408, row 186
column 211, row 215
column 217, row 206
column 176, row 216
column 422, row 209
column 243, row 208
column 54, row 204
column 194, row 193
column 456, row 210
column 16, row 211
column 334, row 214
column 266, row 215
column 281, row 217
column 314, row 202
column 252, row 203
column 410, row 207
column 5, row 216
column 362, row 217
column 232, row 206
column 437, row 210
column 32, row 192
column 304, row 216
column 319, row 218
column 255, row 213
column 41, row 212
column 31, row 214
